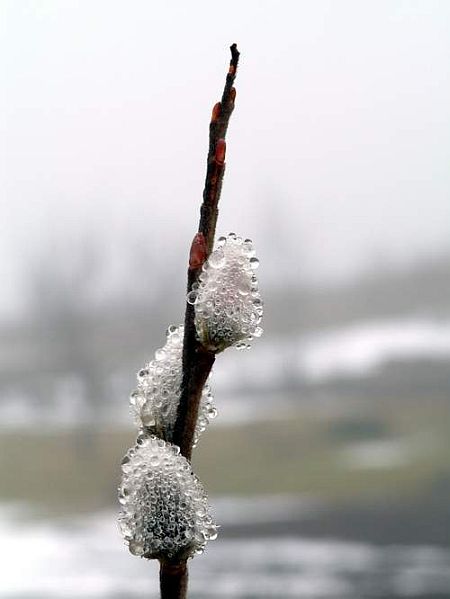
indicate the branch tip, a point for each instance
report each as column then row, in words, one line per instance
column 234, row 54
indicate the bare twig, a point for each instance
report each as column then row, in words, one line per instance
column 216, row 154
column 198, row 361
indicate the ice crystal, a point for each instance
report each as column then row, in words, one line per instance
column 155, row 400
column 228, row 306
column 164, row 508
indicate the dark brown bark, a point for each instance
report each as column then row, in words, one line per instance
column 173, row 579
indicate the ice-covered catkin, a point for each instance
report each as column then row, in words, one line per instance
column 154, row 402
column 228, row 306
column 164, row 508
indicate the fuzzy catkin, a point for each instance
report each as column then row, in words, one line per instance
column 154, row 403
column 228, row 305
column 164, row 507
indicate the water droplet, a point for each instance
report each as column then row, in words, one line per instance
column 141, row 439
column 160, row 355
column 211, row 532
column 171, row 330
column 154, row 460
column 134, row 396
column 244, row 287
column 148, row 420
column 217, row 259
column 254, row 263
column 125, row 529
column 136, row 548
column 191, row 297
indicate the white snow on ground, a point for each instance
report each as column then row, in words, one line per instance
column 358, row 350
column 363, row 348
column 84, row 557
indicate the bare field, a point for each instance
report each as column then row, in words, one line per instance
column 391, row 448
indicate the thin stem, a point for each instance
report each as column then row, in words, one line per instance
column 173, row 579
column 216, row 153
column 197, row 360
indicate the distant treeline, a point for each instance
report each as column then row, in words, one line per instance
column 65, row 333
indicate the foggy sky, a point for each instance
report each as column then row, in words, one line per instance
column 338, row 150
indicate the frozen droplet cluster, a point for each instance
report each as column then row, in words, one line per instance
column 164, row 508
column 228, row 306
column 155, row 400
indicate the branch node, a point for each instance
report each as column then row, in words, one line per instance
column 217, row 109
column 221, row 148
column 197, row 254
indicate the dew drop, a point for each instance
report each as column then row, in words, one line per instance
column 134, row 397
column 191, row 297
column 143, row 373
column 244, row 287
column 217, row 259
column 160, row 355
column 148, row 420
column 136, row 548
column 254, row 263
column 154, row 460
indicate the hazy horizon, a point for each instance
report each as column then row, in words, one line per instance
column 338, row 150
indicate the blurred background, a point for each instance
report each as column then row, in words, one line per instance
column 329, row 463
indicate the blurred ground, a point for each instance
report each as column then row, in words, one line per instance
column 384, row 454
column 329, row 462
column 335, row 432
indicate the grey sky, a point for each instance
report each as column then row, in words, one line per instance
column 338, row 151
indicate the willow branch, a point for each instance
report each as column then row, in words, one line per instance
column 216, row 153
column 197, row 361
